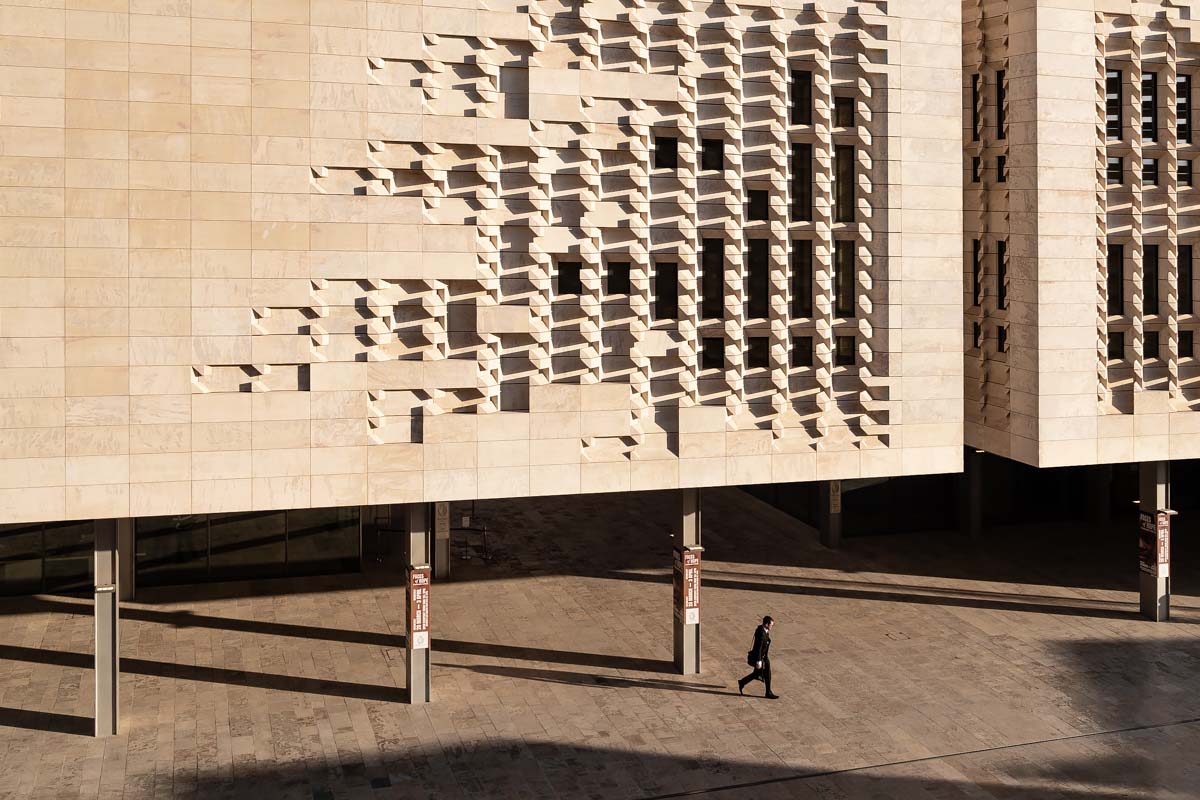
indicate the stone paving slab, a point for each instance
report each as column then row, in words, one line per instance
column 919, row 666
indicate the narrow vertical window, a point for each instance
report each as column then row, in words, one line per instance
column 802, row 278
column 712, row 279
column 976, row 168
column 1186, row 344
column 976, row 334
column 843, row 184
column 758, row 352
column 618, row 277
column 570, row 280
column 976, row 272
column 758, row 205
column 844, row 351
column 1150, row 345
column 1150, row 171
column 1116, row 278
column 1183, row 172
column 1001, row 169
column 1150, row 280
column 712, row 353
column 1115, row 170
column 802, row 182
column 1002, row 274
column 1002, row 339
column 843, row 112
column 1183, row 108
column 1116, row 346
column 1150, row 106
column 666, row 152
column 1112, row 103
column 802, row 98
column 758, row 284
column 666, row 290
column 975, row 108
column 802, row 351
column 1001, row 115
column 843, row 278
column 712, row 155
column 1186, row 276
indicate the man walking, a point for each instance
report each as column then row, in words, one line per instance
column 759, row 657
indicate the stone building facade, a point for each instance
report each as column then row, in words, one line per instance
column 277, row 255
column 1081, row 218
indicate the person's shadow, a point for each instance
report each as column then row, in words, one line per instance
column 590, row 679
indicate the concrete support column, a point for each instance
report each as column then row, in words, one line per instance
column 418, row 548
column 107, row 666
column 1154, row 503
column 829, row 513
column 126, row 547
column 686, row 584
column 973, row 468
column 441, row 541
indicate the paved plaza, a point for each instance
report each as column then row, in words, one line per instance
column 910, row 666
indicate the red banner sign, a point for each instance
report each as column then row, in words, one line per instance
column 687, row 585
column 418, row 607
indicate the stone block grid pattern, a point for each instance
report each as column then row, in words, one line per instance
column 289, row 254
column 1056, row 398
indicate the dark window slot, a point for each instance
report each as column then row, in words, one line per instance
column 758, row 352
column 666, row 152
column 802, row 182
column 666, row 290
column 758, row 283
column 1116, row 278
column 618, row 277
column 570, row 277
column 1150, row 280
column 712, row 353
column 802, row 278
column 802, row 97
column 712, row 278
column 1150, row 106
column 843, row 184
column 802, row 351
column 844, row 279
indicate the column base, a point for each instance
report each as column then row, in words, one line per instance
column 1154, row 597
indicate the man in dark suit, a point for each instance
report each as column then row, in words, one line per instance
column 759, row 657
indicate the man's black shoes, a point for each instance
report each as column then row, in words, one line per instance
column 741, row 687
column 772, row 697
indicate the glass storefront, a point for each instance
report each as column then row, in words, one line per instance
column 46, row 557
column 235, row 546
column 191, row 548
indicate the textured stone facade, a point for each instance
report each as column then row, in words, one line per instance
column 1083, row 256
column 282, row 254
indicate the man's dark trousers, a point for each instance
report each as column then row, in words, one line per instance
column 763, row 674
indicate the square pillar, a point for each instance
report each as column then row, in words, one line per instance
column 417, row 645
column 686, row 585
column 829, row 513
column 107, row 664
column 1154, row 542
